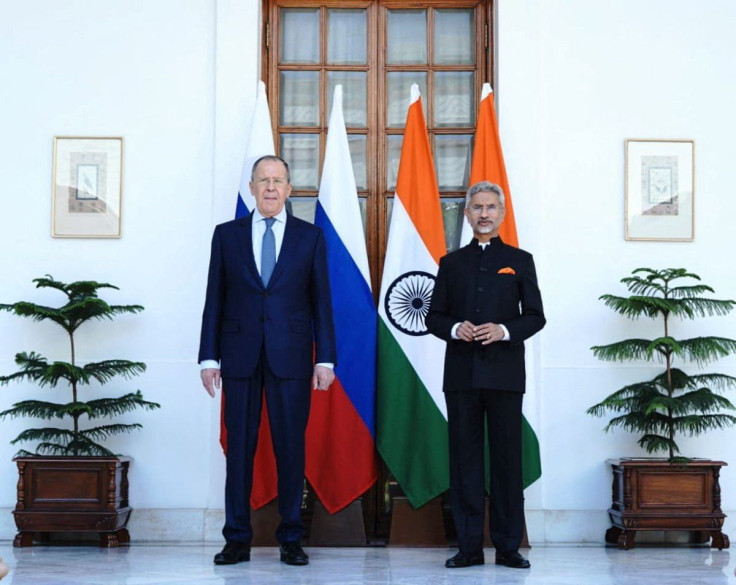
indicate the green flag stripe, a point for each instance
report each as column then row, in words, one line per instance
column 411, row 431
column 532, row 465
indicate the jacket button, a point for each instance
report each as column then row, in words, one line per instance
column 480, row 289
column 484, row 269
column 477, row 310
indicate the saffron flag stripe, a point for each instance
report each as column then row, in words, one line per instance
column 417, row 177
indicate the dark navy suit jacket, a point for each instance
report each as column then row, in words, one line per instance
column 241, row 316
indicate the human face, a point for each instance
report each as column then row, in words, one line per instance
column 270, row 187
column 485, row 215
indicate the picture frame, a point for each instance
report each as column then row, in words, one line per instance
column 660, row 190
column 87, row 187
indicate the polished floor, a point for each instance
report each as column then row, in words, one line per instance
column 190, row 564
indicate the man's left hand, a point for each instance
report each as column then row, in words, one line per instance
column 488, row 333
column 323, row 377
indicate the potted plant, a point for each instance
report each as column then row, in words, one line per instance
column 675, row 493
column 72, row 483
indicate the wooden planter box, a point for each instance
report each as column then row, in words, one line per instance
column 72, row 494
column 653, row 494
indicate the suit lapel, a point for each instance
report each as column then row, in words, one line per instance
column 289, row 247
column 245, row 244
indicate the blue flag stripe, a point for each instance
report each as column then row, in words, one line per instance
column 241, row 210
column 355, row 319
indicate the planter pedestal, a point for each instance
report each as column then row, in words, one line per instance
column 72, row 494
column 654, row 494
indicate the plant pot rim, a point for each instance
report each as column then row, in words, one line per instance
column 73, row 458
column 692, row 461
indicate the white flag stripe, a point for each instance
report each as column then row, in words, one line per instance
column 486, row 91
column 414, row 93
column 337, row 191
column 426, row 353
column 260, row 143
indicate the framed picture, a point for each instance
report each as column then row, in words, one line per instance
column 660, row 190
column 87, row 187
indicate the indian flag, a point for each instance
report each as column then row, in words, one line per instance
column 411, row 412
column 488, row 165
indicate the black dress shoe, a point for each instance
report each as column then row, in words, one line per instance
column 234, row 552
column 513, row 560
column 462, row 559
column 293, row 554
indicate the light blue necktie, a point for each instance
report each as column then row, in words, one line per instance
column 268, row 252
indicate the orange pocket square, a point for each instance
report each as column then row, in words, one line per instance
column 507, row 270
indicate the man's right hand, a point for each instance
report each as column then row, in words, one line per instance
column 210, row 380
column 465, row 331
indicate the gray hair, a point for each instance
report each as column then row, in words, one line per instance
column 485, row 187
column 272, row 158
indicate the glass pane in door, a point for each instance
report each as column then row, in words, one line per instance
column 299, row 98
column 302, row 207
column 358, row 145
column 452, row 158
column 454, row 99
column 346, row 36
column 407, row 37
column 301, row 151
column 354, row 96
column 454, row 37
column 393, row 154
column 299, row 35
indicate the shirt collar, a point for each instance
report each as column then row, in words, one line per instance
column 280, row 216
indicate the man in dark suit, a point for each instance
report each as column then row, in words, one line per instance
column 266, row 313
column 485, row 303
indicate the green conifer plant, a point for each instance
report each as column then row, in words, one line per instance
column 83, row 304
column 673, row 402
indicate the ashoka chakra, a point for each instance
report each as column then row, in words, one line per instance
column 407, row 302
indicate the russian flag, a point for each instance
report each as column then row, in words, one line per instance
column 340, row 454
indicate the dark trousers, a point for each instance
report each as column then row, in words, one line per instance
column 288, row 410
column 467, row 411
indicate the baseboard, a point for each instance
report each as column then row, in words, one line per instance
column 544, row 527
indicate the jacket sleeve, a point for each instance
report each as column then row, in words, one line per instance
column 531, row 318
column 439, row 321
column 321, row 300
column 209, row 342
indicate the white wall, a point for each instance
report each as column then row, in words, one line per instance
column 575, row 79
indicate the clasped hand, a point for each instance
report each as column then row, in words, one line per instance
column 485, row 333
